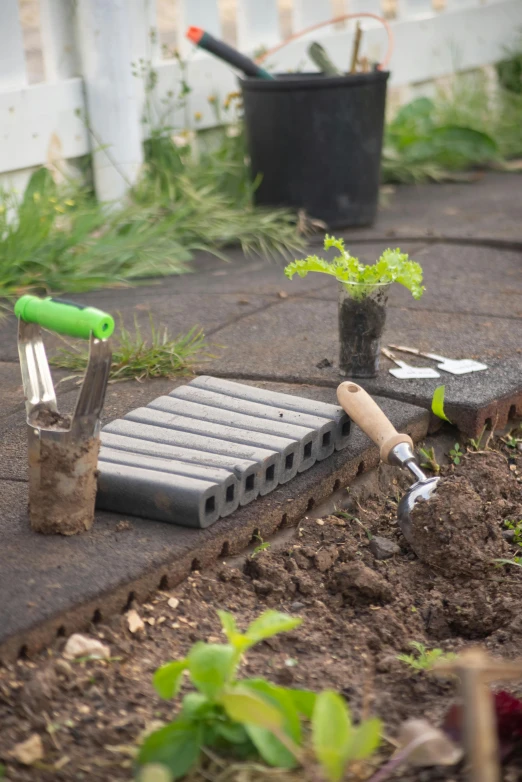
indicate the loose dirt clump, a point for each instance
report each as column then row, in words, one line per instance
column 452, row 531
column 359, row 612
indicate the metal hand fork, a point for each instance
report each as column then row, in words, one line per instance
column 63, row 453
column 395, row 448
column 406, row 371
column 456, row 366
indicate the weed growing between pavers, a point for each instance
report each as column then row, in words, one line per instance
column 138, row 357
column 358, row 613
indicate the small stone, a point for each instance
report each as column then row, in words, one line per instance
column 82, row 646
column 134, row 621
column 382, row 548
column 173, row 602
column 323, row 363
column 509, row 535
column 123, row 526
column 29, row 751
column 297, row 606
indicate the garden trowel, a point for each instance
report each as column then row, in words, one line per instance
column 455, row 366
column 406, row 371
column 63, row 450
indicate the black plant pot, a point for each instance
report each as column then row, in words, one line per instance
column 316, row 141
column 361, row 324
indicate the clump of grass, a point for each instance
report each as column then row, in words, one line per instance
column 136, row 357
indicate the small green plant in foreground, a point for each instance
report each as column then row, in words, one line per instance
column 516, row 526
column 138, row 358
column 511, row 440
column 359, row 279
column 263, row 545
column 251, row 718
column 476, row 444
column 456, row 454
column 424, row 659
column 515, row 561
column 430, row 460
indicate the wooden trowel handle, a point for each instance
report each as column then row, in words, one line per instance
column 369, row 417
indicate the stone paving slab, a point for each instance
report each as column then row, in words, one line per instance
column 56, row 585
column 487, row 209
column 310, row 336
column 470, row 280
column 179, row 313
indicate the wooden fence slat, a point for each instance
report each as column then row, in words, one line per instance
column 257, row 24
column 58, row 30
column 12, row 55
column 365, row 6
column 414, row 9
column 112, row 100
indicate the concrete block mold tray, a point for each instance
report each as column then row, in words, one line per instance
column 196, row 455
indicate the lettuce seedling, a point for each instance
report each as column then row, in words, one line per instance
column 358, row 279
column 250, row 718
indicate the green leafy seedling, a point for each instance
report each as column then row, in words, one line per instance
column 456, row 454
column 424, row 659
column 476, row 444
column 516, row 526
column 263, row 546
column 511, row 441
column 336, row 741
column 248, row 719
column 437, row 403
column 430, row 460
column 359, row 279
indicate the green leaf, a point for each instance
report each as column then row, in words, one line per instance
column 304, row 701
column 270, row 748
column 437, row 403
column 2, row 770
column 176, row 746
column 331, row 733
column 271, row 623
column 210, row 667
column 167, row 678
column 239, row 641
column 365, row 739
column 282, row 700
column 245, row 707
column 234, row 733
column 194, row 705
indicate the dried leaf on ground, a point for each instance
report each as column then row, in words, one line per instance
column 433, row 748
column 29, row 751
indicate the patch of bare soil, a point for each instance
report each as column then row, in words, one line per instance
column 360, row 611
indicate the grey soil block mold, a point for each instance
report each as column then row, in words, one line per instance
column 307, row 438
column 288, row 449
column 324, row 427
column 269, row 462
column 246, row 472
column 189, row 502
column 228, row 499
column 278, row 400
column 231, row 442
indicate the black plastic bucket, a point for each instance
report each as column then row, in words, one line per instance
column 316, row 141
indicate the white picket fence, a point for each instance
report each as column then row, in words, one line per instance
column 90, row 100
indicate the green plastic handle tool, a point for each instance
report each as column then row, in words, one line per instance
column 65, row 317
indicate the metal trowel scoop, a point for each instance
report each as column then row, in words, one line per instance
column 395, row 448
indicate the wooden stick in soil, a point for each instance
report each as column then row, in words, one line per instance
column 476, row 670
column 356, row 47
